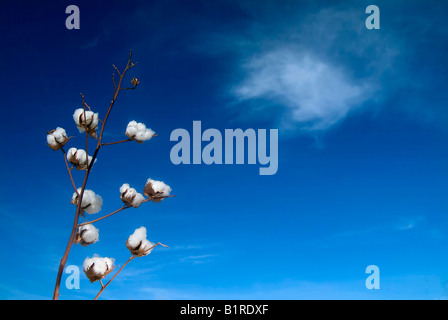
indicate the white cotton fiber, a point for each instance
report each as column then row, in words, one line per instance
column 159, row 187
column 124, row 188
column 138, row 131
column 57, row 138
column 138, row 199
column 88, row 234
column 135, row 238
column 79, row 158
column 51, row 140
column 91, row 202
column 138, row 244
column 88, row 120
column 60, row 135
column 97, row 267
column 130, row 196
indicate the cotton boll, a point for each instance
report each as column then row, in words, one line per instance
column 76, row 117
column 146, row 247
column 124, row 188
column 135, row 238
column 96, row 203
column 97, row 268
column 130, row 196
column 137, row 201
column 138, row 244
column 71, row 154
column 141, row 127
column 138, row 132
column 87, row 234
column 156, row 190
column 57, row 138
column 79, row 158
column 131, row 131
column 86, row 121
column 144, row 135
column 91, row 202
column 51, row 141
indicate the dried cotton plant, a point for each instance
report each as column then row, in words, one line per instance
column 87, row 201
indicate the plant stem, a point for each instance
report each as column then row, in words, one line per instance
column 132, row 257
column 122, row 208
column 86, row 176
column 116, row 142
column 105, row 286
column 69, row 171
column 107, row 215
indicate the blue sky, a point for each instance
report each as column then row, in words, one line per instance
column 362, row 174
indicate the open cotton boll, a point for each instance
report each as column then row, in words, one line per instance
column 60, row 135
column 125, row 187
column 135, row 238
column 52, row 143
column 138, row 244
column 137, row 201
column 79, row 158
column 144, row 135
column 87, row 234
column 97, row 268
column 130, row 196
column 57, row 138
column 96, row 203
column 91, row 202
column 157, row 190
column 138, row 131
column 86, row 121
column 145, row 248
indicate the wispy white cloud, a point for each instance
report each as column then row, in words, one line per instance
column 305, row 69
column 316, row 93
column 408, row 223
column 198, row 258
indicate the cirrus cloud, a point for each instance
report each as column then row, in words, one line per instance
column 316, row 93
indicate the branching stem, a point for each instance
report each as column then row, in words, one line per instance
column 86, row 176
column 116, row 142
column 69, row 171
column 121, row 209
column 122, row 267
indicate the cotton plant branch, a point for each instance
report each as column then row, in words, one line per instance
column 103, row 287
column 103, row 217
column 121, row 141
column 121, row 209
column 116, row 142
column 54, row 141
column 133, row 256
column 84, row 105
column 87, row 201
column 69, row 170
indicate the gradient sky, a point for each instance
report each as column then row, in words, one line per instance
column 362, row 118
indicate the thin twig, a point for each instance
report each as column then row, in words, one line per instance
column 103, row 217
column 105, row 286
column 116, row 142
column 118, row 71
column 84, row 104
column 121, row 209
column 69, row 171
column 113, row 80
column 131, row 258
